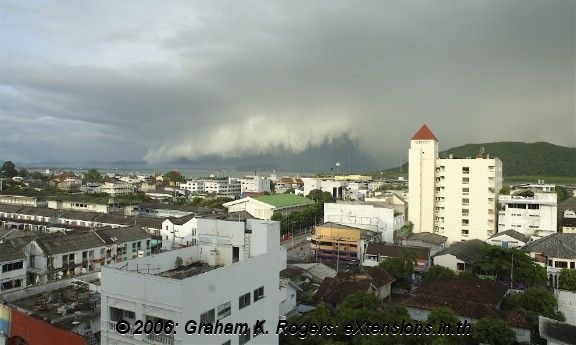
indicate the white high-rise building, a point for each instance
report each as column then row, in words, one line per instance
column 452, row 197
column 229, row 277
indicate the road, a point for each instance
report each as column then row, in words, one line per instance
column 298, row 248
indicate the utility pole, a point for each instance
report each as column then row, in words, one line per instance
column 512, row 273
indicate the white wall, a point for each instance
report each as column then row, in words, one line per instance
column 448, row 261
column 527, row 220
column 363, row 216
column 511, row 242
column 422, row 158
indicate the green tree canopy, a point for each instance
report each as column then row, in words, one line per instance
column 567, row 279
column 93, row 176
column 23, row 172
column 537, row 300
column 8, row 170
column 562, row 193
column 492, row 331
column 402, row 269
column 174, row 176
column 498, row 261
column 320, row 196
column 438, row 272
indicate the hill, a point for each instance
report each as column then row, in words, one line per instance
column 518, row 159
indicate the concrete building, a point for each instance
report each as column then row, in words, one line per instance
column 554, row 252
column 22, row 200
column 78, row 206
column 231, row 276
column 569, row 222
column 59, row 255
column 264, row 206
column 12, row 267
column 340, row 242
column 179, row 232
column 116, row 188
column 527, row 211
column 228, row 187
column 452, row 197
column 376, row 253
column 336, row 188
column 435, row 242
column 255, row 184
column 460, row 255
column 566, row 304
column 374, row 217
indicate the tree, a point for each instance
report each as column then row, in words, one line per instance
column 498, row 261
column 36, row 175
column 174, row 176
column 562, row 193
column 492, row 331
column 567, row 279
column 402, row 269
column 438, row 272
column 8, row 170
column 539, row 301
column 320, row 196
column 445, row 317
column 179, row 262
column 505, row 190
column 93, row 176
column 23, row 172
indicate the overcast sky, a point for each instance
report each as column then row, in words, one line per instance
column 162, row 80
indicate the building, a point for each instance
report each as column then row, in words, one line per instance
column 337, row 242
column 556, row 332
column 460, row 255
column 12, row 267
column 78, row 206
column 555, row 252
column 228, row 187
column 179, row 232
column 527, row 210
column 285, row 184
column 566, row 302
column 376, row 253
column 60, row 255
column 508, row 239
column 287, row 295
column 117, row 188
column 63, row 312
column 569, row 222
column 336, row 188
column 435, row 242
column 22, row 200
column 452, row 197
column 471, row 299
column 375, row 280
column 218, row 280
column 255, row 184
column 375, row 217
column 264, row 206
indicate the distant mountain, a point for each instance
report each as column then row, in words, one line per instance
column 518, row 159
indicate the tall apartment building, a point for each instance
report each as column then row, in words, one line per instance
column 230, row 276
column 221, row 186
column 453, row 197
column 528, row 211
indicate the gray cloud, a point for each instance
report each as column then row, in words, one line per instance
column 234, row 78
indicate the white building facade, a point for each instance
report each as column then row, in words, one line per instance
column 215, row 285
column 364, row 216
column 452, row 197
column 255, row 184
column 528, row 211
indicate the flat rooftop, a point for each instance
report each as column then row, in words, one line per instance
column 64, row 308
column 187, row 271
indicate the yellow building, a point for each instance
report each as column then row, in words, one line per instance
column 333, row 241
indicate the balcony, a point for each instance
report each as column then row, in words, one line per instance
column 159, row 339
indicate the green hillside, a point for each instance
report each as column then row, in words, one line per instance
column 519, row 159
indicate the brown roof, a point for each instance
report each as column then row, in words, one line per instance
column 460, row 307
column 395, row 251
column 334, row 290
column 474, row 290
column 517, row 318
column 380, row 276
column 424, row 133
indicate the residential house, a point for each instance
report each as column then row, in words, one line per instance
column 22, row 200
column 374, row 280
column 471, row 299
column 435, row 242
column 460, row 255
column 569, row 221
column 264, row 206
column 508, row 239
column 316, row 271
column 255, row 184
column 179, row 232
column 379, row 252
column 287, row 295
column 554, row 252
column 12, row 267
column 284, row 184
column 556, row 332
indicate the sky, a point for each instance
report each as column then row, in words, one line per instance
column 161, row 81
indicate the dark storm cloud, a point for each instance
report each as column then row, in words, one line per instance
column 234, row 78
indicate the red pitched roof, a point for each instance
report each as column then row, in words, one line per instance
column 424, row 133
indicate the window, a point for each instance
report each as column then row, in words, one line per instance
column 460, row 266
column 465, row 170
column 465, row 191
column 465, row 222
column 465, row 232
column 208, row 317
column 572, row 265
column 533, row 207
column 465, row 211
column 258, row 293
column 465, row 180
column 224, row 310
column 244, row 301
column 561, row 264
column 244, row 338
column 13, row 266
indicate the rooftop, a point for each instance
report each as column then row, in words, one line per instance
column 469, row 251
column 558, row 245
column 188, row 271
column 9, row 252
column 428, row 237
column 424, row 133
column 65, row 308
column 284, row 200
column 392, row 250
column 514, row 234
